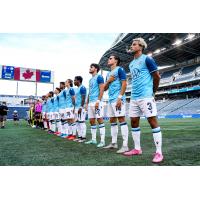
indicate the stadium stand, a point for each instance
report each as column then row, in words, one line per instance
column 179, row 66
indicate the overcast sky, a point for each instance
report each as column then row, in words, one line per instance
column 67, row 55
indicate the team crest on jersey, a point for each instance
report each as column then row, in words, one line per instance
column 135, row 73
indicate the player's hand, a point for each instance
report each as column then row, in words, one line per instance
column 111, row 79
column 97, row 105
column 79, row 111
column 119, row 104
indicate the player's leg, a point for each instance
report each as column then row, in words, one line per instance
column 58, row 123
column 120, row 114
column 92, row 119
column 99, row 116
column 4, row 120
column 78, row 130
column 150, row 111
column 114, row 133
column 113, row 128
column 135, row 113
column 82, row 125
column 1, row 120
column 73, row 124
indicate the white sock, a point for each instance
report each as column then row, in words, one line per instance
column 62, row 126
column 136, row 137
column 45, row 124
column 73, row 128
column 124, row 132
column 102, row 132
column 94, row 132
column 58, row 123
column 66, row 128
column 78, row 129
column 51, row 125
column 54, row 126
column 157, row 136
column 114, row 132
column 83, row 129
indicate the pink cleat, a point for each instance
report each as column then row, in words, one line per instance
column 133, row 152
column 157, row 158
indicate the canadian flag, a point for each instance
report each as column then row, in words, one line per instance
column 26, row 74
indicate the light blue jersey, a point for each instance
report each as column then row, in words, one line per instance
column 115, row 87
column 55, row 104
column 142, row 81
column 44, row 106
column 79, row 92
column 62, row 99
column 94, row 87
column 50, row 104
column 69, row 93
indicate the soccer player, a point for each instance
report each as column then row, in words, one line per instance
column 62, row 104
column 15, row 117
column 38, row 111
column 80, row 112
column 50, row 112
column 44, row 111
column 116, row 85
column 145, row 82
column 56, row 114
column 95, row 106
column 70, row 109
column 3, row 114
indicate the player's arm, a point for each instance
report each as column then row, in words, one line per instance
column 153, row 69
column 83, row 96
column 72, row 93
column 87, row 102
column 156, row 81
column 100, row 82
column 122, row 77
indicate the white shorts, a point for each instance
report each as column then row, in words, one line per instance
column 56, row 115
column 80, row 117
column 93, row 113
column 114, row 112
column 43, row 115
column 146, row 107
column 66, row 113
column 50, row 115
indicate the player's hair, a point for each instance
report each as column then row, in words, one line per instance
column 70, row 82
column 141, row 42
column 62, row 83
column 51, row 93
column 116, row 58
column 58, row 89
column 79, row 78
column 95, row 66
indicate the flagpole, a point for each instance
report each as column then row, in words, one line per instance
column 36, row 88
column 17, row 89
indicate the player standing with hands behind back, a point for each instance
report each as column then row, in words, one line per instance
column 145, row 82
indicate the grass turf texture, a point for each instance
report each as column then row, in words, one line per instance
column 24, row 146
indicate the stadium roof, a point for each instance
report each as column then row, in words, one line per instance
column 166, row 48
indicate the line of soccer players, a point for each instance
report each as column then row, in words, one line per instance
column 64, row 110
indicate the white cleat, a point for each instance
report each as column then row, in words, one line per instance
column 123, row 149
column 111, row 146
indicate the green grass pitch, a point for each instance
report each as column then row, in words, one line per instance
column 24, row 146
